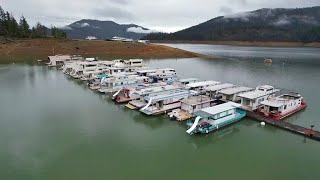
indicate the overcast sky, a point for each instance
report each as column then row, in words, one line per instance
column 162, row 15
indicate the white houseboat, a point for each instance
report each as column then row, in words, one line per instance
column 186, row 81
column 231, row 94
column 117, row 82
column 131, row 65
column 83, row 67
column 216, row 117
column 251, row 101
column 59, row 60
column 139, row 97
column 103, row 67
column 212, row 91
column 129, row 93
column 282, row 106
column 201, row 86
column 191, row 105
column 158, row 104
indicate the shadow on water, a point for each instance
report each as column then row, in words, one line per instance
column 202, row 140
column 153, row 122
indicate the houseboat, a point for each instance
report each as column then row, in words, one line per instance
column 59, row 60
column 158, row 73
column 103, row 67
column 131, row 65
column 191, row 105
column 127, row 94
column 117, row 82
column 251, row 101
column 231, row 94
column 212, row 91
column 139, row 97
column 94, row 83
column 159, row 104
column 68, row 67
column 201, row 86
column 282, row 106
column 82, row 67
column 216, row 117
column 186, row 81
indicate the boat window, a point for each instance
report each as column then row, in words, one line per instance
column 285, row 107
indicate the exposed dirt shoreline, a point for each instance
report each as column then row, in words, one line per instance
column 34, row 49
column 247, row 43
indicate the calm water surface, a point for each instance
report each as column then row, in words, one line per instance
column 53, row 127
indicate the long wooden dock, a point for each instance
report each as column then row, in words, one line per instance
column 306, row 132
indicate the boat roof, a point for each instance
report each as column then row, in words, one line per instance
column 194, row 100
column 174, row 93
column 169, row 69
column 89, row 62
column 265, row 87
column 147, row 71
column 115, row 68
column 257, row 93
column 157, row 89
column 220, row 86
column 59, row 57
column 106, row 62
column 235, row 90
column 135, row 60
column 211, row 111
column 141, row 77
column 188, row 80
column 272, row 103
column 202, row 83
column 90, row 59
column 280, row 100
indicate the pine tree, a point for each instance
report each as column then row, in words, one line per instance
column 57, row 33
column 2, row 22
column 34, row 33
column 11, row 26
column 24, row 30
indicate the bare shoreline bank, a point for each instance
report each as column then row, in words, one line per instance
column 29, row 50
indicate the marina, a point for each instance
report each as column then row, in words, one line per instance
column 143, row 90
column 59, row 122
column 211, row 104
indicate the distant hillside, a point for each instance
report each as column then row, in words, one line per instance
column 104, row 30
column 295, row 25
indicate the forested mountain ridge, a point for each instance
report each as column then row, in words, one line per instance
column 290, row 25
column 104, row 29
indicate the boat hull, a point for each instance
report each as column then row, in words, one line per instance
column 239, row 115
column 281, row 117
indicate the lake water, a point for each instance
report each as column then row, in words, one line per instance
column 53, row 127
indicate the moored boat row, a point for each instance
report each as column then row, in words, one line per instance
column 207, row 105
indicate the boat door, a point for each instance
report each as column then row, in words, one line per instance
column 160, row 104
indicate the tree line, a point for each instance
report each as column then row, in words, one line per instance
column 287, row 25
column 9, row 27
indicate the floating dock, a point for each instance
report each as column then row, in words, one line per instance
column 306, row 132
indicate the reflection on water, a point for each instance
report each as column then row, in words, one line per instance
column 153, row 122
column 203, row 140
column 279, row 55
column 53, row 127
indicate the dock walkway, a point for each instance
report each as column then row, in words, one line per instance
column 307, row 132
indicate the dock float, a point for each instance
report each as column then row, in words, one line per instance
column 306, row 132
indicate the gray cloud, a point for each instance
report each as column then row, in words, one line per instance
column 165, row 15
column 224, row 10
column 282, row 21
